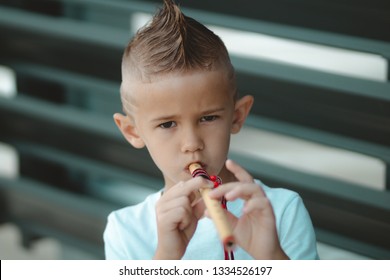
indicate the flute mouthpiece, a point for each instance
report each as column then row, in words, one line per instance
column 197, row 170
column 194, row 166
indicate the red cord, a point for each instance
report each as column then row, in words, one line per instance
column 217, row 181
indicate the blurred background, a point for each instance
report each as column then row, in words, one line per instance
column 320, row 124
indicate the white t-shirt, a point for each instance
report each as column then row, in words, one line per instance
column 131, row 232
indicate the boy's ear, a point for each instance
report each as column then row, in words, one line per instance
column 129, row 131
column 241, row 111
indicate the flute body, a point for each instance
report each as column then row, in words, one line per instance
column 216, row 212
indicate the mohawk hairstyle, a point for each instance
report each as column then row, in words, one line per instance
column 173, row 43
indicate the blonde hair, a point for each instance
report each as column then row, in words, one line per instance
column 172, row 43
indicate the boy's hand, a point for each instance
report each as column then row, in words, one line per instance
column 177, row 218
column 255, row 230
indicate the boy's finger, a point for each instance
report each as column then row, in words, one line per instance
column 239, row 172
column 232, row 191
column 196, row 184
column 188, row 187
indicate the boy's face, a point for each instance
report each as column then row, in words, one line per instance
column 183, row 119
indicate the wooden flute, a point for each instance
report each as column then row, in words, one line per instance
column 216, row 212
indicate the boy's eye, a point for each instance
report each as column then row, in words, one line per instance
column 169, row 124
column 208, row 118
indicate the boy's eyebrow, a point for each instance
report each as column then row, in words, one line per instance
column 163, row 118
column 171, row 117
column 215, row 110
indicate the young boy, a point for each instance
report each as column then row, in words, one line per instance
column 180, row 101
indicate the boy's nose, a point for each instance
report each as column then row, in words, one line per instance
column 191, row 141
